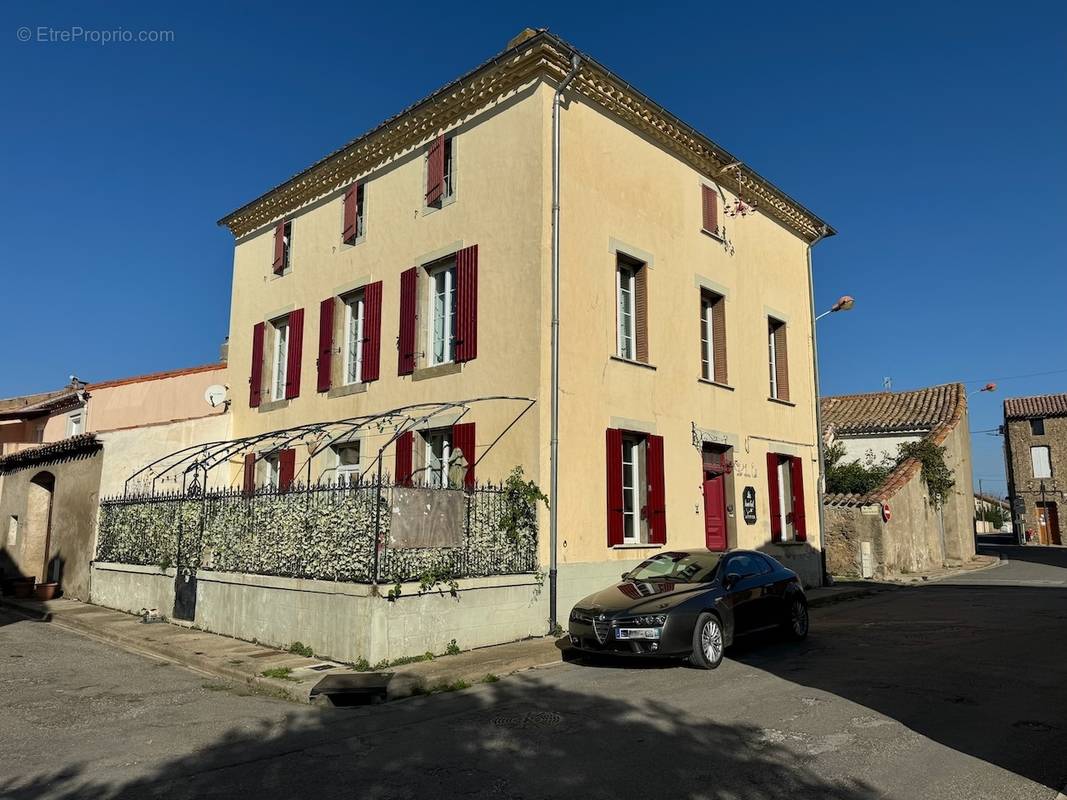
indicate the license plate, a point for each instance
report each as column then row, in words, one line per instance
column 637, row 633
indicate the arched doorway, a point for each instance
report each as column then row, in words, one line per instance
column 36, row 553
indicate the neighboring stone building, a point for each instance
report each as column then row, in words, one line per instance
column 897, row 527
column 985, row 503
column 1035, row 449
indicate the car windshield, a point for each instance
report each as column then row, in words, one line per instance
column 676, row 567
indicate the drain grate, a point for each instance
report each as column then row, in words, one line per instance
column 530, row 720
column 323, row 667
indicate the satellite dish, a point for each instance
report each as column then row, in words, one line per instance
column 215, row 395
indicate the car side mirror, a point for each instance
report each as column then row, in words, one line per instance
column 731, row 580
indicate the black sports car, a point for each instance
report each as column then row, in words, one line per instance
column 690, row 603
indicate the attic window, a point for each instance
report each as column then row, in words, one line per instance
column 1037, row 427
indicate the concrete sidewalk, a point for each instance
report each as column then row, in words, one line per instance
column 291, row 676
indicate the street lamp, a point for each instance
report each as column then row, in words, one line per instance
column 844, row 303
column 989, row 387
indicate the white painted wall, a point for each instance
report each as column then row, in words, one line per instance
column 856, row 447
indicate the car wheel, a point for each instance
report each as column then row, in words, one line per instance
column 707, row 642
column 795, row 625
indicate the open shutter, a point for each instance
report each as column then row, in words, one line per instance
column 406, row 340
column 781, row 362
column 296, row 346
column 641, row 313
column 718, row 340
column 463, row 439
column 467, row 303
column 710, row 206
column 372, row 331
column 255, row 381
column 349, row 232
column 657, row 506
column 796, row 470
column 324, row 365
column 435, row 170
column 402, row 477
column 773, row 497
column 248, row 485
column 613, row 460
column 279, row 247
column 286, row 469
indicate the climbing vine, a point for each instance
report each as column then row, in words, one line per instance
column 936, row 474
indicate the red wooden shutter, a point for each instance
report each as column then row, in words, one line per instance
column 710, row 204
column 773, row 498
column 796, row 470
column 296, row 346
column 324, row 365
column 286, row 469
column 249, row 484
column 349, row 232
column 372, row 331
column 467, row 303
column 403, row 459
column 613, row 460
column 406, row 339
column 255, row 382
column 435, row 170
column 279, row 247
column 657, row 506
column 463, row 439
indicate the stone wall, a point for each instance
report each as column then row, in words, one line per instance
column 1022, row 482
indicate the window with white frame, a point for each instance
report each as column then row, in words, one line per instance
column 347, row 467
column 442, row 313
column 633, row 529
column 280, row 358
column 1041, row 461
column 75, row 423
column 450, row 170
column 273, row 465
column 785, row 499
column 777, row 359
column 626, row 298
column 437, row 455
column 354, row 321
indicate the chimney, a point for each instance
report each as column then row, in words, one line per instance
column 527, row 33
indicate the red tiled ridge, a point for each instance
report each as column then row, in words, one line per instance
column 1042, row 405
column 73, row 445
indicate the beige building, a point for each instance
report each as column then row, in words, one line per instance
column 413, row 265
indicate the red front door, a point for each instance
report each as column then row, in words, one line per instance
column 714, row 512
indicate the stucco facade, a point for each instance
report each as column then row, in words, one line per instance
column 626, row 194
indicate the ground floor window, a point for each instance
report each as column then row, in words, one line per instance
column 636, row 509
column 438, row 451
column 347, row 469
column 785, row 491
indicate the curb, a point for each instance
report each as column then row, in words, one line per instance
column 848, row 594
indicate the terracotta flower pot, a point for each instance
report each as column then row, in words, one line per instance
column 24, row 587
column 46, row 591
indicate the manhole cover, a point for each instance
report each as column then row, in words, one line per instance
column 529, row 720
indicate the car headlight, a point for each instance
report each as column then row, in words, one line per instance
column 652, row 620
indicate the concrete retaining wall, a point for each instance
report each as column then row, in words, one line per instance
column 127, row 587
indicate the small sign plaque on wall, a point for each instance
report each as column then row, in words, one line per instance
column 748, row 503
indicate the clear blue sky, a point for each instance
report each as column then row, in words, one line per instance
column 933, row 136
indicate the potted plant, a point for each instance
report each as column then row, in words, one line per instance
column 23, row 587
column 46, row 591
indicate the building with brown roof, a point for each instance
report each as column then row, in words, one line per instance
column 1035, row 452
column 897, row 527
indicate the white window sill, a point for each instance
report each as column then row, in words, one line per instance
column 273, row 405
column 632, row 361
column 713, row 234
column 715, row 383
column 355, row 242
column 437, row 370
column 636, row 546
column 347, row 389
column 445, row 203
column 783, row 402
column 276, row 275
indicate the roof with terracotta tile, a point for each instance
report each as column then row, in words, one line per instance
column 1042, row 405
column 35, row 405
column 71, row 447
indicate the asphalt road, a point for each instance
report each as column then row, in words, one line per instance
column 950, row 690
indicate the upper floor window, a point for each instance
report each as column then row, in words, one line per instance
column 75, row 423
column 354, row 338
column 1037, row 427
column 442, row 313
column 709, row 205
column 631, row 304
column 283, row 245
column 352, row 222
column 712, row 337
column 778, row 359
column 440, row 171
column 280, row 358
column 1041, row 461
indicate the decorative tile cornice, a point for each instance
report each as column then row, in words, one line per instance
column 542, row 57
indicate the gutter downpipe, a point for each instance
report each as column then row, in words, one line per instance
column 821, row 482
column 553, row 502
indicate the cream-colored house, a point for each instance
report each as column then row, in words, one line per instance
column 413, row 265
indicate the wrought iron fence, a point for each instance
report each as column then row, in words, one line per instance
column 324, row 532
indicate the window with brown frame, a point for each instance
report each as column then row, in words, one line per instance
column 631, row 309
column 778, row 359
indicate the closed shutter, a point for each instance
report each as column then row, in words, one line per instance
column 406, row 340
column 286, row 469
column 463, row 439
column 435, row 170
column 781, row 362
column 296, row 346
column 402, row 476
column 710, row 206
column 718, row 340
column 773, row 497
column 796, row 470
column 350, row 231
column 324, row 366
column 279, row 248
column 248, row 485
column 641, row 314
column 657, row 505
column 255, row 382
column 467, row 304
column 372, row 331
column 613, row 460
